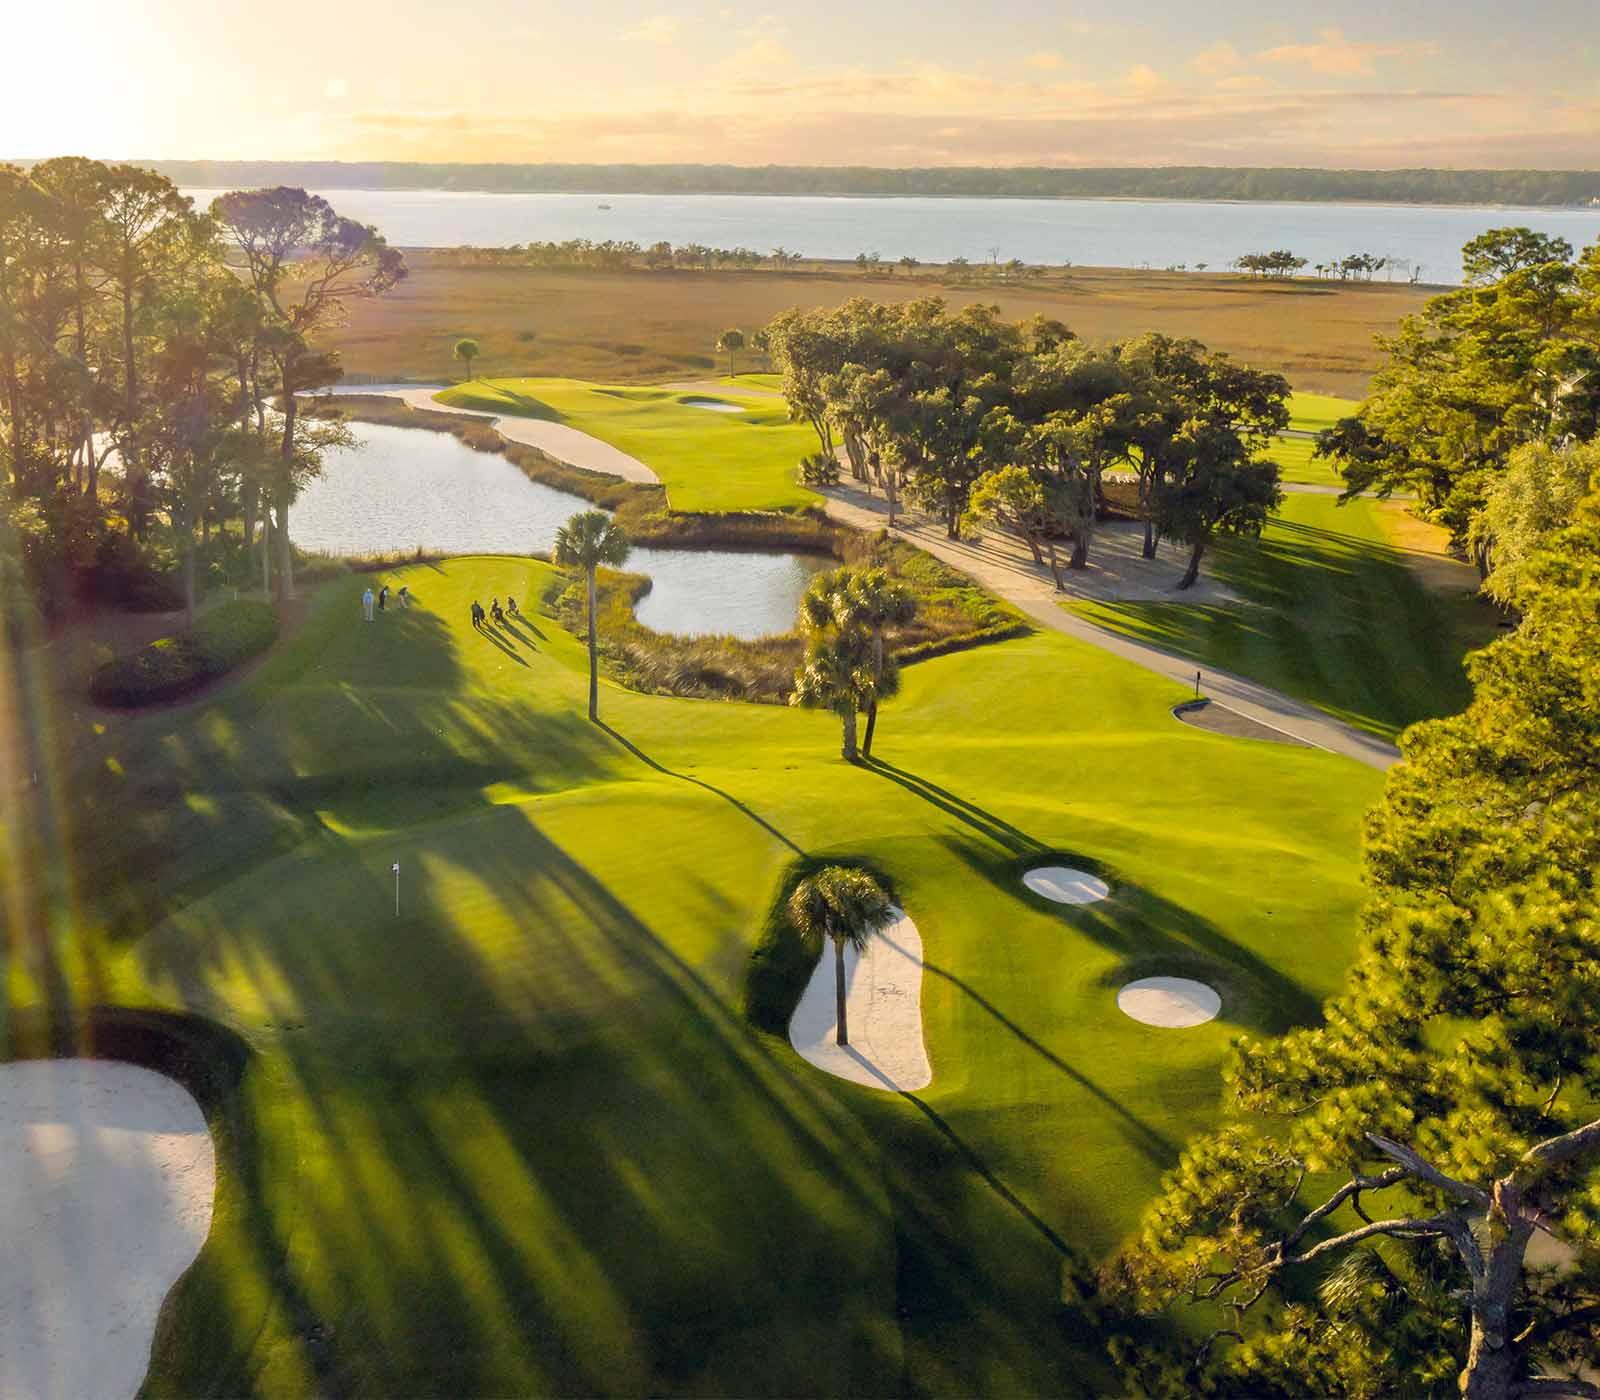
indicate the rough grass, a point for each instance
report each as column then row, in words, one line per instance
column 522, row 1139
column 953, row 614
column 1333, row 614
column 639, row 327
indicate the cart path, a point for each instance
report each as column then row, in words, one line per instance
column 1013, row 575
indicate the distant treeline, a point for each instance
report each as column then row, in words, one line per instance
column 1524, row 187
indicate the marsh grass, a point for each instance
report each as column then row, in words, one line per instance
column 953, row 614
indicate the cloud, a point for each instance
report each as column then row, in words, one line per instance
column 336, row 88
column 1142, row 78
column 1219, row 59
column 1045, row 62
column 1335, row 56
column 763, row 49
column 658, row 29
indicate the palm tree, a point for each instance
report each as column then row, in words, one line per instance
column 869, row 600
column 591, row 538
column 467, row 351
column 730, row 342
column 846, row 905
column 837, row 675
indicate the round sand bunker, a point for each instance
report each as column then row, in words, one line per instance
column 1064, row 885
column 1172, row 1002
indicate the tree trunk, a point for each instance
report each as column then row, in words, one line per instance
column 188, row 572
column 1149, row 539
column 130, row 385
column 594, row 656
column 872, row 706
column 285, row 484
column 1193, row 571
column 1080, row 551
column 266, row 552
column 847, row 719
column 1055, row 566
column 1491, row 1369
column 952, row 521
column 843, row 1036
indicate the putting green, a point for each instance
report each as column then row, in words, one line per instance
column 523, row 1137
column 708, row 461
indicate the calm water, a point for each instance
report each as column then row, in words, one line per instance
column 1089, row 232
column 401, row 487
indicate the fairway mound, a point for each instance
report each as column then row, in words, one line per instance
column 883, row 1009
column 1219, row 719
column 712, row 405
column 1064, row 885
column 107, row 1175
column 1174, row 1003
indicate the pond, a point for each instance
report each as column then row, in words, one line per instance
column 401, row 488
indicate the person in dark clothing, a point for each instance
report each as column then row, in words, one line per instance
column 496, row 611
column 511, row 605
column 477, row 613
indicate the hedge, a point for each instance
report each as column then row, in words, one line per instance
column 172, row 667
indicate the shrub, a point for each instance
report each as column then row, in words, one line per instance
column 819, row 469
column 174, row 666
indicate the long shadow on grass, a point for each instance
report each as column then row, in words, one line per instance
column 728, row 797
column 997, row 829
column 1141, row 926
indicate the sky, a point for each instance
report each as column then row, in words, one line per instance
column 1349, row 83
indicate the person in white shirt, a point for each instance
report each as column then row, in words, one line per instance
column 366, row 604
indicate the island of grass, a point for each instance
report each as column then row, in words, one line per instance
column 168, row 669
column 707, row 461
column 542, row 1129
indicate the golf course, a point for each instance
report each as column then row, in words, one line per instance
column 542, row 1130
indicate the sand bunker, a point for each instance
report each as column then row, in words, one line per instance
column 1065, row 885
column 106, row 1181
column 714, row 405
column 1173, row 1002
column 883, row 1009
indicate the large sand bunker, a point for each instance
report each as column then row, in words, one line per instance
column 1175, row 1003
column 883, row 1010
column 1064, row 885
column 106, row 1181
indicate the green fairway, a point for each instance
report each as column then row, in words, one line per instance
column 708, row 461
column 1331, row 614
column 520, row 1137
column 1311, row 413
column 1293, row 456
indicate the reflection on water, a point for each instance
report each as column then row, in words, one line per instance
column 400, row 488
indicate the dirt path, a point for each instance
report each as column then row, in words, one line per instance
column 1013, row 575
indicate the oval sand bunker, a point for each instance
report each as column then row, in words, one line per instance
column 883, row 1010
column 713, row 405
column 1173, row 1002
column 1065, row 885
column 106, row 1181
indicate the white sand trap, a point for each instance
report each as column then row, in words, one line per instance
column 713, row 405
column 1173, row 1002
column 1065, row 885
column 106, row 1181
column 883, row 1011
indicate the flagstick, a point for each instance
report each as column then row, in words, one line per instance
column 397, row 889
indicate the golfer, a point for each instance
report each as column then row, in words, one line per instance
column 366, row 603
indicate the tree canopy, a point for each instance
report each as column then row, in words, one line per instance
column 1408, row 1149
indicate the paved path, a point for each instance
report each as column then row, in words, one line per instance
column 1015, row 577
column 575, row 448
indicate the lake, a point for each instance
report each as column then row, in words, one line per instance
column 1088, row 232
column 400, row 488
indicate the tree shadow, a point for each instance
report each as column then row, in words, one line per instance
column 998, row 830
column 728, row 797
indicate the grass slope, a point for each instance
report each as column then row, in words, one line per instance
column 708, row 461
column 1333, row 614
column 520, row 1138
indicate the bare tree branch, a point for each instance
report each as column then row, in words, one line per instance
column 1552, row 1152
column 1426, row 1171
column 1556, row 1386
column 1351, row 1188
column 1433, row 1226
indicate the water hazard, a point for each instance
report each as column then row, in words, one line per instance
column 405, row 488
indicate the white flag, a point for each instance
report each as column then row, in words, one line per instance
column 395, row 867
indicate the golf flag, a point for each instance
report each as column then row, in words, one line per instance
column 395, row 867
